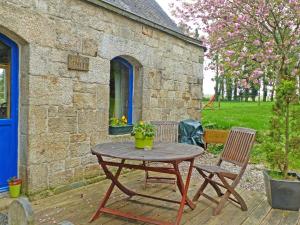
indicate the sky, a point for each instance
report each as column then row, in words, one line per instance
column 208, row 87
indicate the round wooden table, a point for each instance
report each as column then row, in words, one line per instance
column 171, row 153
column 161, row 152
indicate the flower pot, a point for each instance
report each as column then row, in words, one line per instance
column 118, row 130
column 282, row 194
column 15, row 188
column 142, row 142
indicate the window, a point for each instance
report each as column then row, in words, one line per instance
column 5, row 54
column 121, row 89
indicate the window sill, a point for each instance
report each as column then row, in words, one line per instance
column 120, row 130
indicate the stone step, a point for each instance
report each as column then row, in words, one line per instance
column 3, row 219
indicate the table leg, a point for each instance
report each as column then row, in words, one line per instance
column 115, row 178
column 110, row 189
column 183, row 190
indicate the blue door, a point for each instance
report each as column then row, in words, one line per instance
column 9, row 70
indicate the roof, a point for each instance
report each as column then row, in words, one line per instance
column 148, row 9
column 147, row 12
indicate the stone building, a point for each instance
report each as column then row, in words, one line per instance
column 66, row 66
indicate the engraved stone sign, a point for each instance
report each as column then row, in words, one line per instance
column 77, row 62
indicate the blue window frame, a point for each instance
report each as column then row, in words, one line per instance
column 129, row 67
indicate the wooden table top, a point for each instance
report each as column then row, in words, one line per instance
column 161, row 152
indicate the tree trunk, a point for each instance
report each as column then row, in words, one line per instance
column 253, row 92
column 299, row 88
column 246, row 93
column 286, row 147
column 265, row 89
column 217, row 93
column 235, row 90
column 229, row 88
column 272, row 94
column 222, row 88
column 259, row 87
column 241, row 95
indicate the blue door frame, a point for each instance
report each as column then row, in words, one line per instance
column 9, row 126
column 131, row 78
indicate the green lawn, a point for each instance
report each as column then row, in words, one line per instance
column 242, row 114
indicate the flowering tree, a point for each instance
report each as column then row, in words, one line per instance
column 265, row 33
column 254, row 39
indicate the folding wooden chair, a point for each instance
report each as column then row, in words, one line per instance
column 166, row 131
column 236, row 151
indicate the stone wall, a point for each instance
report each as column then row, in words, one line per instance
column 65, row 112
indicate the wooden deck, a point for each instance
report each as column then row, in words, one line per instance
column 78, row 206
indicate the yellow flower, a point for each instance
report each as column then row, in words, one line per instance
column 125, row 121
column 141, row 122
column 123, row 118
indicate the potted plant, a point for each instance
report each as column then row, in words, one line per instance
column 119, row 126
column 282, row 146
column 144, row 135
column 14, row 185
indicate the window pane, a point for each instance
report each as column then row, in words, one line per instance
column 119, row 90
column 5, row 53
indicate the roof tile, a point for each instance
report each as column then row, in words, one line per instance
column 148, row 9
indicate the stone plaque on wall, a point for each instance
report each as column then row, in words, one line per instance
column 77, row 62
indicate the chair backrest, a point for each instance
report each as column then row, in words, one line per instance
column 238, row 145
column 166, row 131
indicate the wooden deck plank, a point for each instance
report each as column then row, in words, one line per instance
column 233, row 215
column 78, row 205
column 149, row 212
column 169, row 214
column 188, row 213
column 143, row 206
column 289, row 218
column 205, row 215
column 123, row 204
column 257, row 216
column 273, row 218
column 65, row 205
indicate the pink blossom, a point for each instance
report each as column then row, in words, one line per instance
column 295, row 71
column 234, row 64
column 257, row 73
column 227, row 59
column 269, row 51
column 237, row 26
column 256, row 42
column 230, row 34
column 242, row 32
column 230, row 52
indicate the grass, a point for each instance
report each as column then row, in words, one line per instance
column 243, row 114
column 240, row 114
column 279, row 176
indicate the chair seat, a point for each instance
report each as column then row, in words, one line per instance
column 216, row 170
